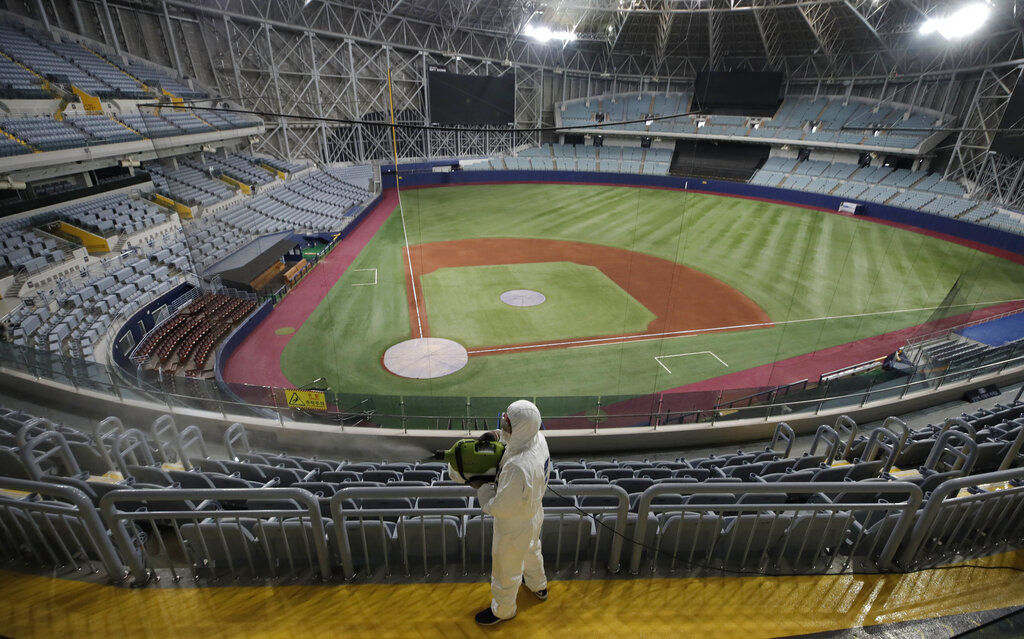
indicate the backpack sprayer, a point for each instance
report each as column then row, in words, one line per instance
column 471, row 460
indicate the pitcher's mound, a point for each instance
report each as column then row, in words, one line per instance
column 425, row 358
column 522, row 297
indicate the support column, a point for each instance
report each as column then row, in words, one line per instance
column 360, row 145
column 76, row 12
column 172, row 41
column 112, row 33
column 282, row 123
column 42, row 15
column 426, row 107
column 234, row 62
column 320, row 126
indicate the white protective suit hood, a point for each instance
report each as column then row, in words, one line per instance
column 525, row 419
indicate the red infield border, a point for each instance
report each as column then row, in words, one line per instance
column 677, row 295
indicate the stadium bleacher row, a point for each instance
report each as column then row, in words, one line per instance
column 111, row 214
column 86, row 304
column 269, row 513
column 915, row 190
column 569, row 157
column 188, row 185
column 319, row 201
column 189, row 335
column 31, row 57
column 26, row 247
column 44, row 133
column 827, row 120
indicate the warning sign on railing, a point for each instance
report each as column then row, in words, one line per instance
column 310, row 400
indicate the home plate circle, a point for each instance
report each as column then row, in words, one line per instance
column 522, row 297
column 425, row 358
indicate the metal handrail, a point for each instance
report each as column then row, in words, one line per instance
column 949, row 490
column 87, row 514
column 116, row 519
column 907, row 506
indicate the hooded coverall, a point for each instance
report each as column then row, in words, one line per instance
column 515, row 504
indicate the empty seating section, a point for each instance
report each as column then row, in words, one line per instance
column 827, row 120
column 188, row 185
column 211, row 239
column 120, row 84
column 914, row 190
column 44, row 133
column 26, row 248
column 153, row 76
column 569, row 157
column 225, row 120
column 761, row 510
column 169, row 248
column 237, row 166
column 86, row 304
column 150, row 125
column 29, row 49
column 283, row 165
column 103, row 129
column 10, row 146
column 318, row 201
column 53, row 188
column 18, row 82
column 68, row 63
column 185, row 121
column 185, row 340
column 112, row 214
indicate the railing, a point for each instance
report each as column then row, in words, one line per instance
column 586, row 413
column 59, row 528
column 400, row 532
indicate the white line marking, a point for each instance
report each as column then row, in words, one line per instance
column 373, row 283
column 606, row 341
column 408, row 254
column 658, row 358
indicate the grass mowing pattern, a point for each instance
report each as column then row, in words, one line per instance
column 463, row 304
column 795, row 263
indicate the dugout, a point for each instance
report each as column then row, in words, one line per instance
column 259, row 265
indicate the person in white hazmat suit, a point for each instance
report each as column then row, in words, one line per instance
column 515, row 503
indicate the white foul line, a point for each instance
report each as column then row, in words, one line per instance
column 408, row 254
column 359, row 270
column 643, row 337
column 658, row 358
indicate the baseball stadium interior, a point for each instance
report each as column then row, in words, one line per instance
column 269, row 270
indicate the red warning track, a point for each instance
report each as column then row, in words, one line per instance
column 257, row 360
column 681, row 298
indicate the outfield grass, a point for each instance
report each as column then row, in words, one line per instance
column 463, row 304
column 798, row 265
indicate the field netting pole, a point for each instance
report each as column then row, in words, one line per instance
column 401, row 209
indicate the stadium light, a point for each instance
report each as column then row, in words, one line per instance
column 546, row 34
column 962, row 22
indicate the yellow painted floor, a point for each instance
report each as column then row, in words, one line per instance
column 712, row 608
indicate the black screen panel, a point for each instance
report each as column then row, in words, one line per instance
column 738, row 92
column 1010, row 139
column 471, row 99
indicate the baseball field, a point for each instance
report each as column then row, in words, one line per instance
column 643, row 290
